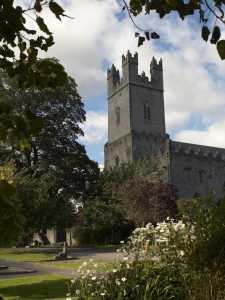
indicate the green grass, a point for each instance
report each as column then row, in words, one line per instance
column 34, row 288
column 101, row 266
column 24, row 255
column 43, row 286
column 21, row 255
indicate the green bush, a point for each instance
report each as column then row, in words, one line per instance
column 131, row 280
column 182, row 259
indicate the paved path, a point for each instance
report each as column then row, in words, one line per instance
column 41, row 268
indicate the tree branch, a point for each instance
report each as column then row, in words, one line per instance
column 130, row 16
column 213, row 12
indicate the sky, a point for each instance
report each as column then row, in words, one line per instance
column 194, row 75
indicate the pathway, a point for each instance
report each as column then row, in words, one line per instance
column 39, row 268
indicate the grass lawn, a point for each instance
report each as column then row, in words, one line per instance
column 34, row 287
column 101, row 266
column 21, row 255
column 42, row 287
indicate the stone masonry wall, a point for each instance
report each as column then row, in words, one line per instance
column 196, row 169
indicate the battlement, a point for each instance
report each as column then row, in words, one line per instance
column 129, row 58
column 199, row 151
column 156, row 66
column 113, row 75
column 130, row 74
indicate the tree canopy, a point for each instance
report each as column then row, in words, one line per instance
column 208, row 13
column 52, row 173
column 23, row 34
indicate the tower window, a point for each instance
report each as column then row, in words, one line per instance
column 117, row 116
column 147, row 112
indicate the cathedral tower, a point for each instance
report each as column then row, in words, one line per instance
column 136, row 119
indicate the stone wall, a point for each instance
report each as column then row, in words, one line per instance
column 196, row 169
column 119, row 151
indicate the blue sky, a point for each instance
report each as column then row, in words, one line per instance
column 194, row 76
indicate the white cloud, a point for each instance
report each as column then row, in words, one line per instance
column 176, row 119
column 193, row 73
column 213, row 136
column 95, row 127
column 80, row 43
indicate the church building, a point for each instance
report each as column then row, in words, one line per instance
column 136, row 129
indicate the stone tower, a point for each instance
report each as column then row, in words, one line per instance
column 136, row 119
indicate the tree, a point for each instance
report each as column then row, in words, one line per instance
column 145, row 201
column 11, row 220
column 53, row 171
column 127, row 196
column 19, row 49
column 208, row 11
column 16, row 36
column 142, row 191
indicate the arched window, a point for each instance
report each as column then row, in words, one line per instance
column 117, row 116
column 147, row 112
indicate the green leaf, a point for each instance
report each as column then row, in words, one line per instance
column 49, row 43
column 215, row 35
column 7, row 189
column 22, row 46
column 155, row 35
column 35, row 122
column 32, row 54
column 42, row 25
column 38, row 6
column 221, row 49
column 205, row 33
column 56, row 9
column 141, row 40
column 147, row 34
column 24, row 144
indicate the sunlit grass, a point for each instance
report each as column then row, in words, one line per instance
column 22, row 256
column 34, row 287
column 102, row 266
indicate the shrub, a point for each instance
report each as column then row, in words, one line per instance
column 173, row 260
column 131, row 279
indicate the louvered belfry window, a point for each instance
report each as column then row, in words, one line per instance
column 147, row 112
column 117, row 116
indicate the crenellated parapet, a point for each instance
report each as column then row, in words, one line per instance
column 113, row 79
column 199, row 151
column 130, row 74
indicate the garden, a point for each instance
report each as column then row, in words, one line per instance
column 176, row 259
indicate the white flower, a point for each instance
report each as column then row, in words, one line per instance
column 121, row 242
column 72, row 280
column 84, row 264
column 182, row 253
column 123, row 279
column 117, row 282
column 102, row 294
column 78, row 292
column 93, row 278
column 114, row 270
